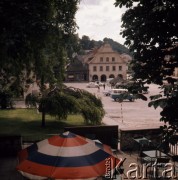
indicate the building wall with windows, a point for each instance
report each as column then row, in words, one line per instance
column 106, row 63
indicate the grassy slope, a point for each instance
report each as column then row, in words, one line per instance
column 28, row 122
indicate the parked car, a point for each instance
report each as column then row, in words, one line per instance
column 92, row 85
column 107, row 92
column 121, row 94
column 99, row 83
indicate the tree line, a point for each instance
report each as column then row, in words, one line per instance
column 87, row 44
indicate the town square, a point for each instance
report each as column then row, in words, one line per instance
column 88, row 89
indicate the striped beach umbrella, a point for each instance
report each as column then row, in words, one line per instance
column 66, row 156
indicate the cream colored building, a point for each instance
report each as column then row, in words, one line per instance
column 104, row 63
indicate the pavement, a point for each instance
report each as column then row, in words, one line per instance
column 8, row 169
column 127, row 115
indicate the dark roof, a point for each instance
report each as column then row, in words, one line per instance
column 76, row 65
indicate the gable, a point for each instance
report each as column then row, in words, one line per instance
column 105, row 54
column 106, row 48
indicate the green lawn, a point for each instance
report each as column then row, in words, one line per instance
column 28, row 122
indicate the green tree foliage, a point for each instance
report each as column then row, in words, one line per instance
column 68, row 100
column 5, row 99
column 117, row 46
column 92, row 108
column 150, row 28
column 33, row 38
column 87, row 44
column 73, row 46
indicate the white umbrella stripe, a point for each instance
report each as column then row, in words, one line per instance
column 73, row 151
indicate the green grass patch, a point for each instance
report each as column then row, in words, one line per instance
column 28, row 122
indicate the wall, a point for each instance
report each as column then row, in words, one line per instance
column 106, row 134
column 10, row 145
column 106, row 53
column 126, row 137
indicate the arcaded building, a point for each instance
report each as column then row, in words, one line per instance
column 99, row 64
column 104, row 63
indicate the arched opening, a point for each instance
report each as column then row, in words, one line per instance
column 95, row 78
column 111, row 76
column 103, row 78
column 120, row 76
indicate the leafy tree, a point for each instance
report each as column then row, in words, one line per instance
column 87, row 44
column 33, row 38
column 73, row 46
column 117, row 46
column 91, row 108
column 150, row 29
column 5, row 99
column 61, row 102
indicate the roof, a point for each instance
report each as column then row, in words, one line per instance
column 76, row 65
column 104, row 49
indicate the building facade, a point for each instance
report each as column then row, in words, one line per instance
column 98, row 64
column 104, row 63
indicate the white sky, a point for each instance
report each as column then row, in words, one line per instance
column 99, row 19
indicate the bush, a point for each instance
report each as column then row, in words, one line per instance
column 6, row 99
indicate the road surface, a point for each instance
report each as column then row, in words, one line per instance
column 127, row 115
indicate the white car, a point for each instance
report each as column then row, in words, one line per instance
column 99, row 83
column 92, row 85
column 107, row 92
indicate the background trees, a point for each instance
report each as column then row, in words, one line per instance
column 150, row 29
column 33, row 38
column 87, row 44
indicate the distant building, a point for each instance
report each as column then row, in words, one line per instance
column 99, row 64
column 76, row 70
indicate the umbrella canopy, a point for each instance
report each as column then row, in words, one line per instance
column 66, row 156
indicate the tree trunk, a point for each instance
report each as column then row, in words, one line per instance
column 43, row 122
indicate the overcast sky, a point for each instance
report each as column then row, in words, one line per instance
column 99, row 19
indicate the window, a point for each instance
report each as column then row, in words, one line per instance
column 114, row 68
column 101, row 68
column 107, row 68
column 120, row 68
column 101, row 59
column 94, row 68
column 113, row 59
column 107, row 59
